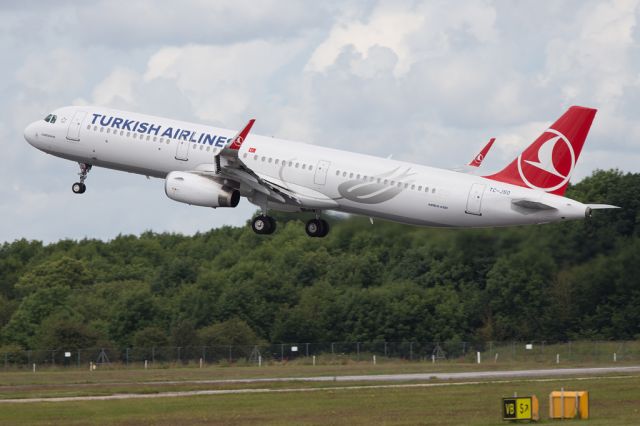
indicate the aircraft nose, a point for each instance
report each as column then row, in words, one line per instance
column 31, row 133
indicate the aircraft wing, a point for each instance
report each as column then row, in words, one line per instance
column 227, row 166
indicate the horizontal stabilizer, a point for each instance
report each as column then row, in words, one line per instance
column 601, row 206
column 533, row 205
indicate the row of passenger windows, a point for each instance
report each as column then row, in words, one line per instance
column 389, row 182
column 136, row 135
column 128, row 134
column 278, row 162
column 271, row 160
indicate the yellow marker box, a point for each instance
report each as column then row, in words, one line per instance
column 520, row 408
column 569, row 405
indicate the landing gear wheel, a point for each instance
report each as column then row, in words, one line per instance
column 317, row 228
column 325, row 228
column 263, row 225
column 79, row 188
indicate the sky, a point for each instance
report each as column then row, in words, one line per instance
column 424, row 81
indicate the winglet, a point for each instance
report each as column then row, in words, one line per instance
column 477, row 160
column 237, row 140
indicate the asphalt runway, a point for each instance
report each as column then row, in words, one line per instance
column 457, row 379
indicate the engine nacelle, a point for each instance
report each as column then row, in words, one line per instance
column 198, row 190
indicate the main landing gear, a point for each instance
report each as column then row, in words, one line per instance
column 80, row 187
column 265, row 225
column 317, row 228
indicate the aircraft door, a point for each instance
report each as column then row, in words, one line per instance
column 73, row 134
column 182, row 152
column 474, row 201
column 321, row 172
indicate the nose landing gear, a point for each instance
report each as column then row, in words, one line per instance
column 80, row 187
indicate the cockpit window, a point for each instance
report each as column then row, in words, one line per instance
column 50, row 118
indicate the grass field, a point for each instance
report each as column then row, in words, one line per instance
column 614, row 400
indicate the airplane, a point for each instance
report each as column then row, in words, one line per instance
column 214, row 167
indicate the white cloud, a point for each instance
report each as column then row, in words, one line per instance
column 387, row 27
column 118, row 86
column 55, row 71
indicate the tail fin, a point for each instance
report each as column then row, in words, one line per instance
column 548, row 162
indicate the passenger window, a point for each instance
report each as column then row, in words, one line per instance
column 393, row 183
column 243, row 156
column 413, row 187
column 290, row 163
column 89, row 127
column 121, row 132
column 95, row 128
column 128, row 134
column 201, row 147
column 148, row 138
column 433, row 191
column 420, row 188
column 344, row 174
column 277, row 161
column 101, row 129
column 350, row 175
column 135, row 135
column 304, row 167
column 108, row 130
column 263, row 158
column 426, row 189
column 310, row 168
column 270, row 160
column 399, row 184
column 337, row 172
column 255, row 157
column 386, row 181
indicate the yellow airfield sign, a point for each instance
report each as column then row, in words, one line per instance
column 520, row 408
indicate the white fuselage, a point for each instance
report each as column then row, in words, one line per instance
column 320, row 178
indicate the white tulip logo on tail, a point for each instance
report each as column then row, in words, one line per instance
column 549, row 167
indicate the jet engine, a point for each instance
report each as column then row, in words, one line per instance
column 198, row 190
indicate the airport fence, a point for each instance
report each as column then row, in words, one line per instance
column 598, row 352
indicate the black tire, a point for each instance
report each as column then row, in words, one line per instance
column 314, row 228
column 272, row 225
column 325, row 228
column 263, row 225
column 78, row 188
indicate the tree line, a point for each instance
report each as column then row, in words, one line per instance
column 380, row 282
